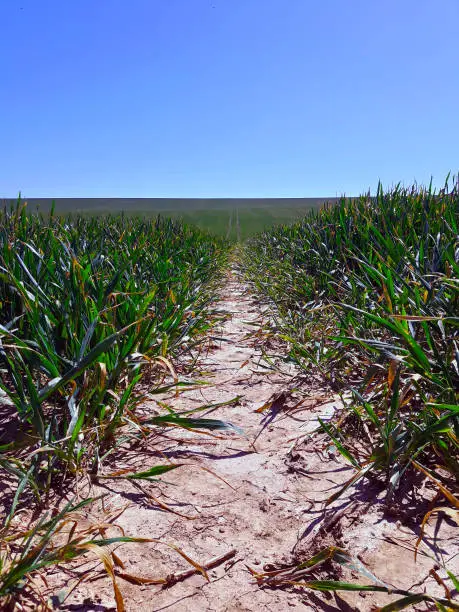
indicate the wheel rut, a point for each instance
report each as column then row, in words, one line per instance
column 238, row 491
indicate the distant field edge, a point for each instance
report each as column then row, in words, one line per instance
column 140, row 205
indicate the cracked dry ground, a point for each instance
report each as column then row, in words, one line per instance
column 266, row 503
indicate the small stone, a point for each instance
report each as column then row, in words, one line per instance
column 256, row 561
column 263, row 505
column 221, row 530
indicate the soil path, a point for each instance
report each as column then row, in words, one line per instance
column 265, row 502
column 258, row 512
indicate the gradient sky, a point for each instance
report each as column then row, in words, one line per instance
column 226, row 98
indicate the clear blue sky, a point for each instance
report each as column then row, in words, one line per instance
column 229, row 98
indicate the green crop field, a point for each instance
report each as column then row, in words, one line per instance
column 368, row 291
column 238, row 224
column 234, row 219
column 87, row 310
column 97, row 310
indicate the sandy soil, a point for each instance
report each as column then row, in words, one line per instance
column 266, row 503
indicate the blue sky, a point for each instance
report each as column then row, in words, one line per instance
column 226, row 98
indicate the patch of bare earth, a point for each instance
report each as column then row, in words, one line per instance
column 265, row 506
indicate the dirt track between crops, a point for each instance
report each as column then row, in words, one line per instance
column 266, row 503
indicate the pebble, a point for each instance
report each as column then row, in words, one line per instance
column 263, row 505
